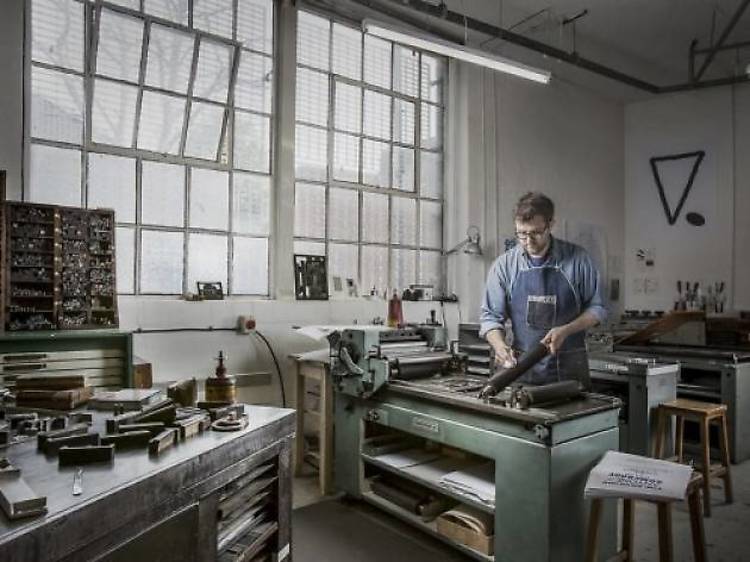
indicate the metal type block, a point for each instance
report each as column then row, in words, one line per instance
column 73, row 456
column 224, row 411
column 52, row 445
column 154, row 427
column 77, row 429
column 16, row 498
column 189, row 427
column 81, row 417
column 17, row 419
column 163, row 441
column 165, row 414
column 128, row 440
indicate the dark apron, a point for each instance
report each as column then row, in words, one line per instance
column 541, row 299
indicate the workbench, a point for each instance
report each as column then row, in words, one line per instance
column 315, row 366
column 162, row 508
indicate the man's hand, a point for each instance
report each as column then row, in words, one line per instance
column 555, row 338
column 504, row 356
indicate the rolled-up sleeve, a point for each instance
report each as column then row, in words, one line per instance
column 591, row 289
column 493, row 311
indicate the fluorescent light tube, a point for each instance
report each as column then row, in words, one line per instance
column 456, row 51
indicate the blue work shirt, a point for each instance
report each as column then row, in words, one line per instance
column 574, row 262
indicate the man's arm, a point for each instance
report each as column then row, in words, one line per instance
column 493, row 315
column 556, row 336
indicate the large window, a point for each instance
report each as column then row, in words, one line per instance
column 160, row 109
column 369, row 157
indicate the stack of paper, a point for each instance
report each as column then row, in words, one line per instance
column 476, row 481
column 632, row 476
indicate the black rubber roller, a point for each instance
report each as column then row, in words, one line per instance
column 501, row 379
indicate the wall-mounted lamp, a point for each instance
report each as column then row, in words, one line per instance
column 471, row 244
column 456, row 51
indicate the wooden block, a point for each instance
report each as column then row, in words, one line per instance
column 75, row 429
column 163, row 441
column 52, row 446
column 142, row 373
column 74, row 456
column 129, row 440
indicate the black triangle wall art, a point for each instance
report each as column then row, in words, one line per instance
column 693, row 218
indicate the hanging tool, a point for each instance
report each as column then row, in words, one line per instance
column 501, row 379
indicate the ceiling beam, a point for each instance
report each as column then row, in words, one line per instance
column 724, row 36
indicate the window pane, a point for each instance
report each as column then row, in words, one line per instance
column 57, row 33
column 432, row 126
column 308, row 248
column 405, row 70
column 214, row 16
column 125, row 256
column 378, row 61
column 433, row 78
column 347, row 51
column 250, row 266
column 403, row 121
column 170, row 56
column 162, row 262
column 377, row 117
column 160, row 127
column 431, row 224
column 113, row 113
column 207, row 259
column 313, row 35
column 374, row 217
column 403, row 168
column 310, row 210
column 348, row 109
column 374, row 269
column 429, row 268
column 431, row 174
column 252, row 204
column 111, row 185
column 55, row 176
column 403, row 221
column 343, row 223
column 346, row 158
column 172, row 10
column 163, row 194
column 204, row 130
column 311, row 155
column 212, row 74
column 255, row 25
column 254, row 82
column 118, row 53
column 403, row 268
column 252, row 142
column 209, row 199
column 312, row 97
column 343, row 260
column 56, row 105
column 376, row 163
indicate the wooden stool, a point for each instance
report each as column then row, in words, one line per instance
column 666, row 553
column 703, row 413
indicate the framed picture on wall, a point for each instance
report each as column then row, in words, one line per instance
column 210, row 290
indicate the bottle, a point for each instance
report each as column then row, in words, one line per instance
column 395, row 312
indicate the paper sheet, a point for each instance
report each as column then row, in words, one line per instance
column 409, row 457
column 633, row 476
column 477, row 481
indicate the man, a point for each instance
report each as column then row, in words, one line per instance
column 550, row 291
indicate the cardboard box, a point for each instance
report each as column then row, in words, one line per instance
column 453, row 528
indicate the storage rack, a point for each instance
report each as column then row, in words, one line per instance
column 480, row 359
column 59, row 268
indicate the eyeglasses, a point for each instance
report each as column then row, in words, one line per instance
column 535, row 234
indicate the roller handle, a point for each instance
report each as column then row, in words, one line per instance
column 501, row 379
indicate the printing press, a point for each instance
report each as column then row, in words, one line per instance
column 414, row 438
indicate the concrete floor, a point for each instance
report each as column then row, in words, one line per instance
column 727, row 530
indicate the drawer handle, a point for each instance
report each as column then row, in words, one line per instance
column 27, row 367
column 25, row 357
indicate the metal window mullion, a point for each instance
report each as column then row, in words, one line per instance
column 228, row 108
column 141, row 82
column 186, row 227
column 188, row 101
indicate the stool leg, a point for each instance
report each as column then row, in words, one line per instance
column 696, row 525
column 706, row 468
column 660, row 429
column 592, row 536
column 665, row 532
column 628, row 528
column 679, row 437
column 728, row 495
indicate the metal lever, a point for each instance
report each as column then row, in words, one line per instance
column 78, row 482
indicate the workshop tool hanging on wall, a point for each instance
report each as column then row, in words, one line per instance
column 220, row 387
column 501, row 379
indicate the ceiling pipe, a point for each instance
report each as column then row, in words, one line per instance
column 441, row 12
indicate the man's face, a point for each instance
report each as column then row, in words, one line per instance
column 534, row 235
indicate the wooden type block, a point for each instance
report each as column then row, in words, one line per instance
column 129, row 440
column 74, row 456
column 75, row 429
column 189, row 427
column 224, row 411
column 154, row 427
column 17, row 499
column 53, row 445
column 163, row 441
column 165, row 415
column 142, row 373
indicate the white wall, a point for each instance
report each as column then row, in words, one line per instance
column 702, row 120
column 512, row 136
